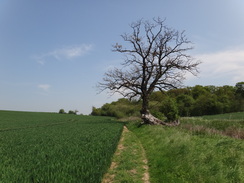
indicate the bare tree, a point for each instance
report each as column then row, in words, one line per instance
column 156, row 60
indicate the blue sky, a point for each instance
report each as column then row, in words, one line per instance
column 53, row 53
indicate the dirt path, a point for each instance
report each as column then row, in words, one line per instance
column 129, row 163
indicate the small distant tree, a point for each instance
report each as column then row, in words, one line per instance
column 156, row 60
column 73, row 112
column 61, row 111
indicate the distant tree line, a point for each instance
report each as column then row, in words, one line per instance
column 62, row 111
column 190, row 101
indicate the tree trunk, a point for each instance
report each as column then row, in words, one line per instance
column 148, row 118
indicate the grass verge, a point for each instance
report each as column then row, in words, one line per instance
column 176, row 155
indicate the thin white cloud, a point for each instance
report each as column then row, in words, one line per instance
column 70, row 52
column 65, row 53
column 220, row 68
column 44, row 87
column 40, row 61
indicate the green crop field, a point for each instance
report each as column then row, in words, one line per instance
column 49, row 147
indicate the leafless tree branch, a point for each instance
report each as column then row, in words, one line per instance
column 157, row 59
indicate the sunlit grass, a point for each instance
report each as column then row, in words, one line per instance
column 177, row 155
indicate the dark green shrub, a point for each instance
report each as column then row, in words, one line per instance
column 169, row 109
column 185, row 104
column 72, row 112
column 96, row 111
column 61, row 111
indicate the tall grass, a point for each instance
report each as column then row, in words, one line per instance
column 231, row 124
column 226, row 116
column 176, row 155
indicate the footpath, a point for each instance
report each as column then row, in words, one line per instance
column 129, row 163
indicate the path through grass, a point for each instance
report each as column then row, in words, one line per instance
column 129, row 163
column 200, row 150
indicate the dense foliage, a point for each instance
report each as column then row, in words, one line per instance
column 190, row 101
column 119, row 109
column 46, row 147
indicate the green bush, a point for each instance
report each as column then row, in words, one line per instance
column 185, row 104
column 119, row 109
column 72, row 112
column 158, row 115
column 61, row 111
column 169, row 109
